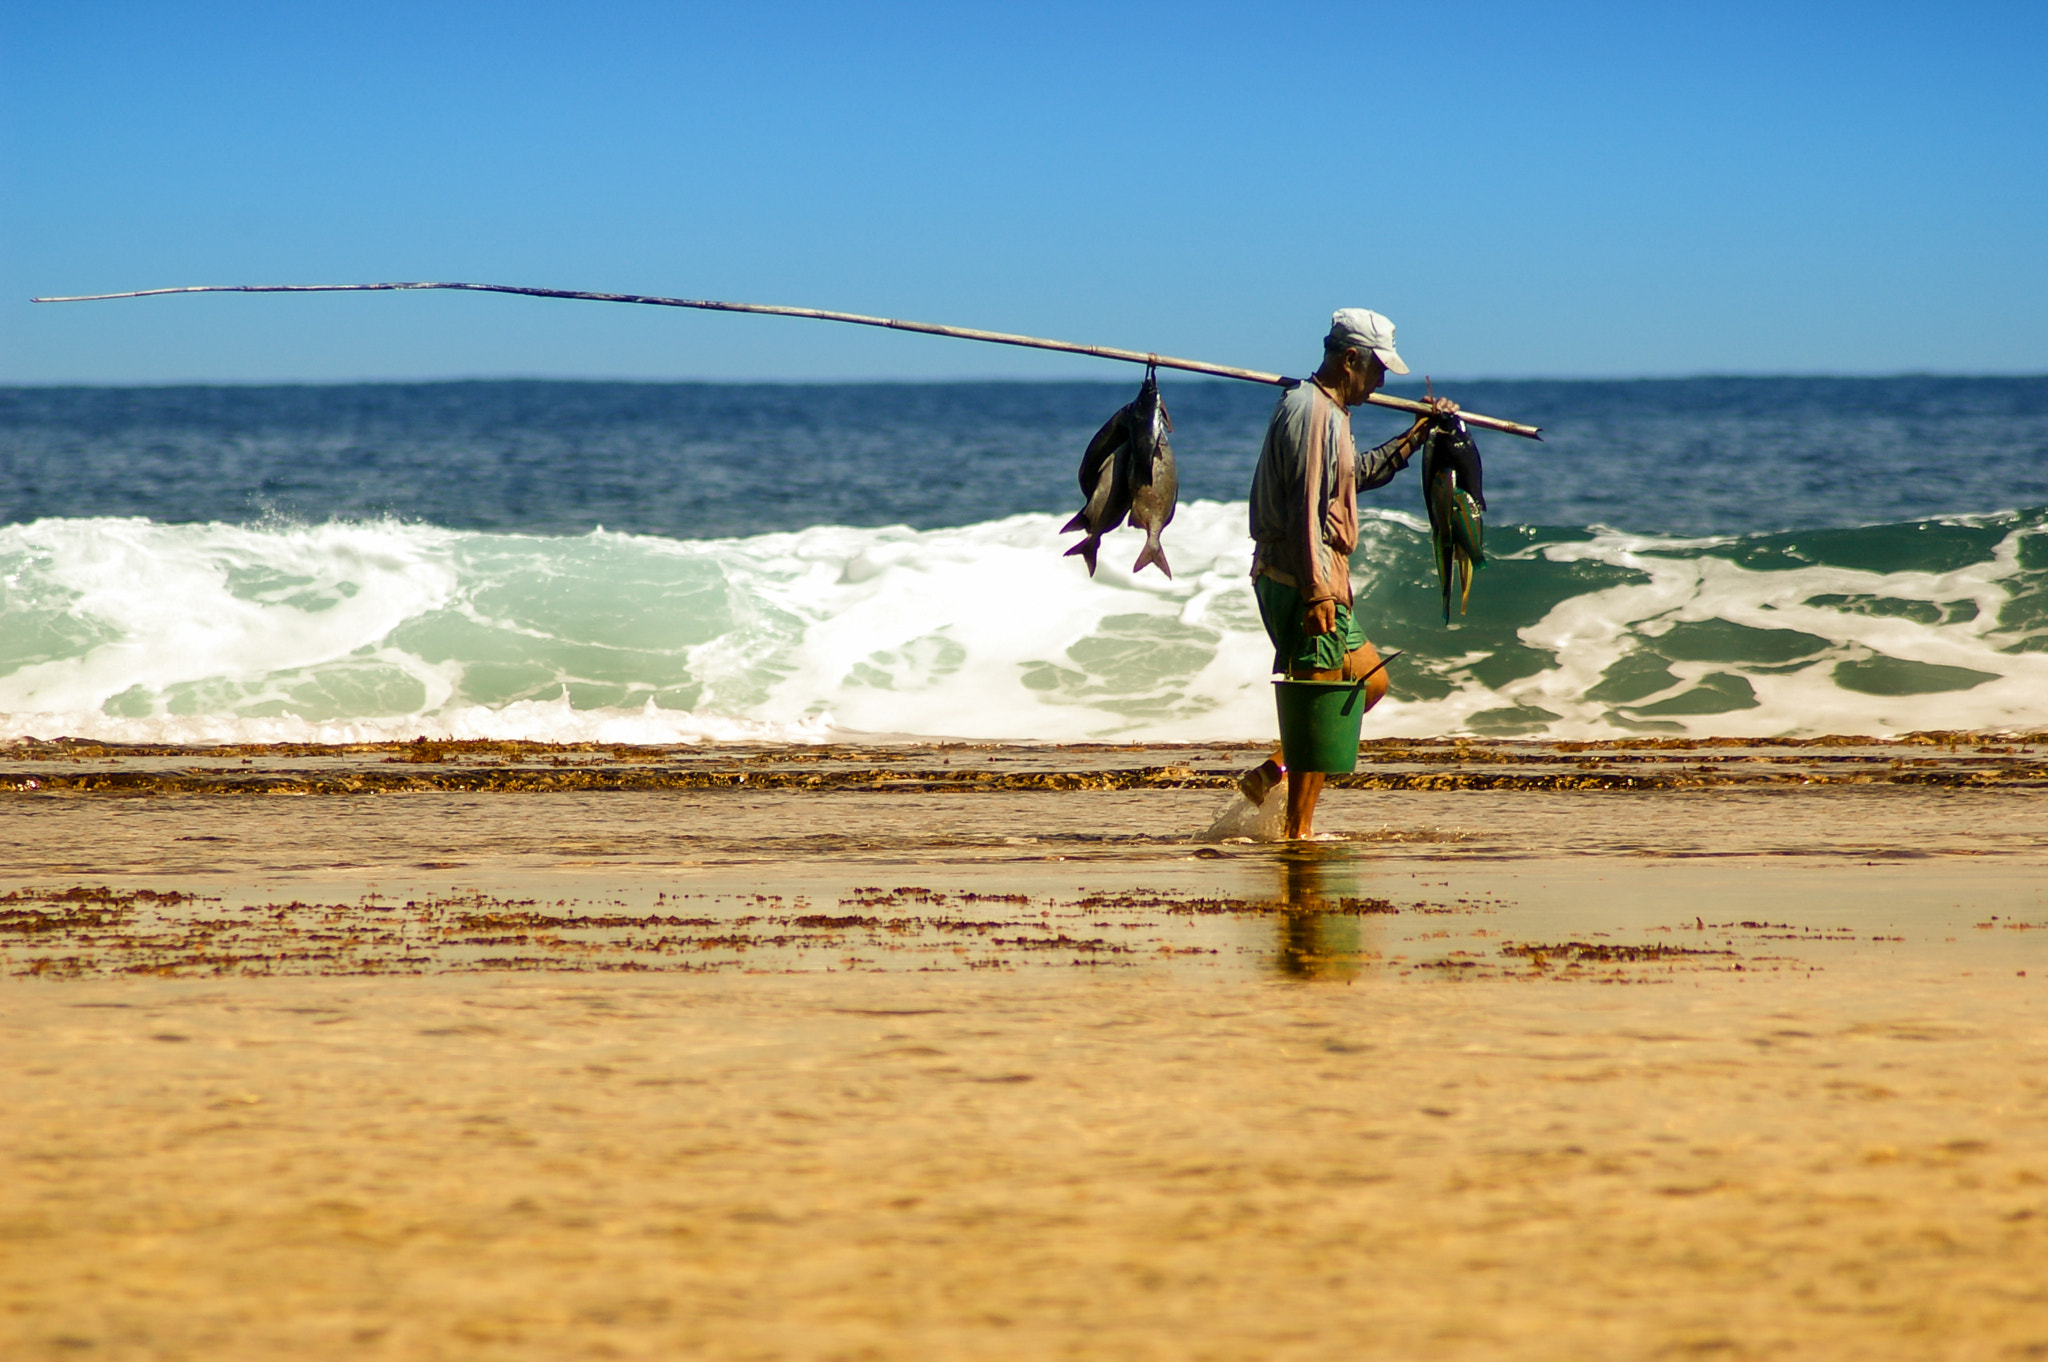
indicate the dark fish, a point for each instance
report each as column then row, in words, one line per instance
column 1155, row 482
column 1105, row 481
column 1451, row 490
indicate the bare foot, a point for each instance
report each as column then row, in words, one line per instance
column 1258, row 782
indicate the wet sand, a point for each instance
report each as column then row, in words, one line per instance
column 1747, row 1069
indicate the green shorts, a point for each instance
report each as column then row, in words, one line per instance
column 1281, row 607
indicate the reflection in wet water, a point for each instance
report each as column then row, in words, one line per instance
column 1316, row 942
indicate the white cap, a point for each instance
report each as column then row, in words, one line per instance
column 1355, row 328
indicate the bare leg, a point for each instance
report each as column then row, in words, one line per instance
column 1357, row 664
column 1303, row 789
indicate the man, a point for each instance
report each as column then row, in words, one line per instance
column 1305, row 524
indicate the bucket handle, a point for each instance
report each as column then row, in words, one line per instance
column 1358, row 688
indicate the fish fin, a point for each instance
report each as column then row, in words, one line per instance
column 1139, row 466
column 1086, row 548
column 1103, row 449
column 1155, row 552
column 1079, row 522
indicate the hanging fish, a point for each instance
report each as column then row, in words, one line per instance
column 1155, row 481
column 1453, row 494
column 1105, row 482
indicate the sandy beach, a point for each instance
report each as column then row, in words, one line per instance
column 1549, row 1051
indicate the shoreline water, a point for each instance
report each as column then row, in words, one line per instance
column 108, row 856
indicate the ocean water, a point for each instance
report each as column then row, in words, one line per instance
column 673, row 562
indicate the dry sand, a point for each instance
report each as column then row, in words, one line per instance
column 893, row 1074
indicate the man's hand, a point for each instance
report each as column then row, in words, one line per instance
column 1441, row 410
column 1320, row 618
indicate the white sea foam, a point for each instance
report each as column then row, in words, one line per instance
column 124, row 629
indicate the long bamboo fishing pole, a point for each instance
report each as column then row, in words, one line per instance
column 1193, row 366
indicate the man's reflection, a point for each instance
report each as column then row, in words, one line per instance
column 1316, row 942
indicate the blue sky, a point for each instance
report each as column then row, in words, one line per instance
column 1527, row 189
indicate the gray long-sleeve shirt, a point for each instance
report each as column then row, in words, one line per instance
column 1305, row 493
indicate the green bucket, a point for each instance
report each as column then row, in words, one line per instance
column 1319, row 723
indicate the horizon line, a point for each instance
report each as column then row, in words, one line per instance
column 1042, row 381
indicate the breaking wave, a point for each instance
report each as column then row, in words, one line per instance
column 125, row 629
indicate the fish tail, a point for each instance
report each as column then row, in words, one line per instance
column 1086, row 548
column 1155, row 552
